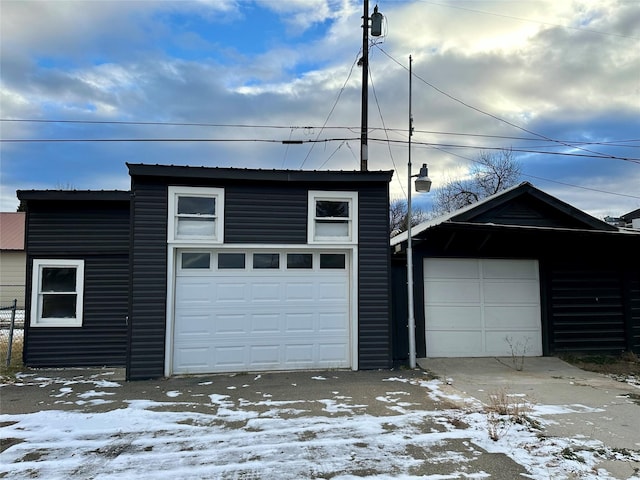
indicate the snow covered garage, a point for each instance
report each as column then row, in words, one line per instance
column 520, row 272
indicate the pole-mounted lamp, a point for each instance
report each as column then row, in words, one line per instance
column 423, row 184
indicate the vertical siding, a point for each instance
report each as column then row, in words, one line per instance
column 269, row 214
column 586, row 310
column 12, row 277
column 374, row 261
column 98, row 233
column 148, row 281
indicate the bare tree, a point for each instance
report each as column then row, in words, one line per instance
column 398, row 216
column 492, row 172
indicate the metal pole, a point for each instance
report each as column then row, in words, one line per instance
column 411, row 319
column 364, row 149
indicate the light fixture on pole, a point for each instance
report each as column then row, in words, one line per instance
column 423, row 184
column 376, row 31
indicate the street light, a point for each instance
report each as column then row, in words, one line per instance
column 423, row 184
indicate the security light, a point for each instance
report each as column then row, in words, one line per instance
column 423, row 182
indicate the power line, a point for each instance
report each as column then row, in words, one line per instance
column 312, row 141
column 495, row 117
column 310, row 128
column 333, row 107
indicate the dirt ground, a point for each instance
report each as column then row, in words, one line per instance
column 627, row 364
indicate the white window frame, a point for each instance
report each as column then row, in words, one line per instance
column 172, row 223
column 351, row 198
column 37, row 295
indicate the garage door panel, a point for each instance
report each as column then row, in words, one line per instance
column 299, row 322
column 299, row 291
column 445, row 291
column 194, row 325
column 453, row 317
column 512, row 317
column 513, row 269
column 229, row 324
column 444, row 268
column 194, row 357
column 266, row 292
column 512, row 292
column 230, row 293
column 454, row 344
column 332, row 323
column 266, row 323
column 466, row 316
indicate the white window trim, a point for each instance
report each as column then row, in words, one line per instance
column 36, row 298
column 176, row 191
column 351, row 197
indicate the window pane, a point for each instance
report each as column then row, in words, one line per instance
column 332, row 260
column 196, row 260
column 58, row 279
column 197, row 205
column 196, row 227
column 332, row 228
column 231, row 260
column 299, row 260
column 330, row 208
column 266, row 260
column 59, row 306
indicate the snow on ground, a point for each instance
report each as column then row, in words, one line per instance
column 243, row 440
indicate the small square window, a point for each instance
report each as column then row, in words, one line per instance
column 266, row 260
column 196, row 214
column 231, row 260
column 196, row 260
column 333, row 217
column 332, row 260
column 299, row 260
column 57, row 293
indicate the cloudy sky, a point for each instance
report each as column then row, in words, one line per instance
column 226, row 82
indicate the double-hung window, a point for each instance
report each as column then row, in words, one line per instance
column 196, row 213
column 57, row 293
column 333, row 217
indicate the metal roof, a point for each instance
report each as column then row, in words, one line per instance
column 12, row 230
column 252, row 174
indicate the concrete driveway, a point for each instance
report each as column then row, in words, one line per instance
column 576, row 403
column 342, row 425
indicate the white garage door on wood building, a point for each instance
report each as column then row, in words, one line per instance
column 256, row 311
column 482, row 307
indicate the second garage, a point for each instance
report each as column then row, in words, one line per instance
column 482, row 307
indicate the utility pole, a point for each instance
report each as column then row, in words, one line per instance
column 376, row 31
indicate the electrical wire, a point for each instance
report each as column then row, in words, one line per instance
column 334, row 105
column 495, row 117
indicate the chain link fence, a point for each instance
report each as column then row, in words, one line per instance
column 11, row 334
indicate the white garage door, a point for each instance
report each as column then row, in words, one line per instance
column 255, row 311
column 482, row 307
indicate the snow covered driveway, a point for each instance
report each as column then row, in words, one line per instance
column 340, row 425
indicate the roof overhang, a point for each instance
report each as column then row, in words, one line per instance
column 248, row 174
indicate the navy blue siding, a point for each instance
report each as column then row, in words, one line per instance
column 254, row 213
column 374, row 307
column 98, row 233
column 587, row 310
column 269, row 214
column 148, row 281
